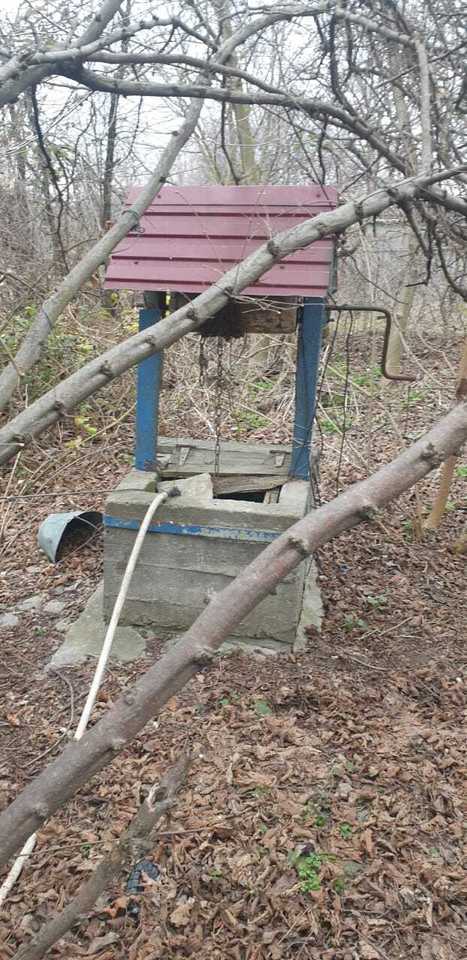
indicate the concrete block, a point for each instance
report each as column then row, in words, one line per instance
column 212, row 541
column 142, row 480
column 198, row 487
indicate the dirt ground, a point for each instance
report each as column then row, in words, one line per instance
column 324, row 815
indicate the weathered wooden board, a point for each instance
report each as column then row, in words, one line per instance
column 188, row 457
column 244, row 484
column 240, row 317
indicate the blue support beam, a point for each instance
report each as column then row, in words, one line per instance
column 309, row 348
column 148, row 384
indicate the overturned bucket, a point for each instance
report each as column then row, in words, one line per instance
column 57, row 526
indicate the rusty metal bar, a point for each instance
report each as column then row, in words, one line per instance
column 382, row 311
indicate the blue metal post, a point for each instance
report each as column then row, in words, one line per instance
column 148, row 384
column 309, row 347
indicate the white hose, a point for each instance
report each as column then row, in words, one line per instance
column 26, row 851
column 113, row 623
column 17, row 867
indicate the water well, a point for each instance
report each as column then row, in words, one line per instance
column 249, row 493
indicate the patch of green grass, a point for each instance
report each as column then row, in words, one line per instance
column 318, row 815
column 262, row 708
column 408, row 528
column 367, row 378
column 261, row 791
column 248, row 420
column 260, row 386
column 377, row 600
column 308, row 867
column 461, row 471
column 345, row 831
column 338, row 884
column 351, row 622
column 329, row 426
column 415, row 396
column 321, row 819
column 66, row 351
column 230, row 697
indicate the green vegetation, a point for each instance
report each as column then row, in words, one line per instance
column 262, row 708
column 351, row 622
column 308, row 867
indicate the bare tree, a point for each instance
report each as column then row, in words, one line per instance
column 376, row 96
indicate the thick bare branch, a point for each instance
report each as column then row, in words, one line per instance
column 320, row 109
column 14, row 74
column 84, row 758
column 100, row 20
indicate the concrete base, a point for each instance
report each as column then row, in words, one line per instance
column 312, row 608
column 86, row 636
column 196, row 545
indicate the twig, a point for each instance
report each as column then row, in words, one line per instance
column 381, row 633
column 134, row 844
column 70, row 722
column 363, row 663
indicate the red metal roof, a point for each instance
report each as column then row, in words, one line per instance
column 190, row 236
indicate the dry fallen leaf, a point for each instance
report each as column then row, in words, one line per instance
column 367, row 952
column 100, row 943
column 13, row 720
column 181, row 915
column 367, row 842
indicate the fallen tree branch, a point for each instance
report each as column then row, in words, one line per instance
column 59, row 402
column 103, row 742
column 134, row 844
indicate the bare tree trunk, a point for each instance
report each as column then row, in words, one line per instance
column 32, row 345
column 61, row 400
column 84, row 758
column 134, row 844
column 107, row 183
column 434, row 519
column 400, row 328
column 240, row 111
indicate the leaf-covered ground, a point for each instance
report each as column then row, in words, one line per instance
column 324, row 816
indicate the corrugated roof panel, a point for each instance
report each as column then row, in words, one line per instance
column 190, row 236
